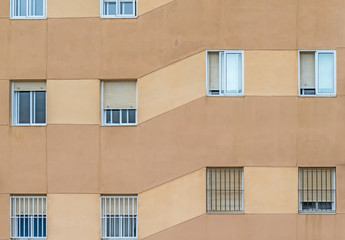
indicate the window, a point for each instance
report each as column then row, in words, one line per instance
column 119, row 218
column 225, row 75
column 224, row 190
column 29, row 103
column 28, row 9
column 317, row 74
column 316, row 190
column 118, row 8
column 119, row 102
column 28, row 217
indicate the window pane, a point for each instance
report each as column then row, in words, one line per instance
column 23, row 107
column 326, row 73
column 19, row 8
column 40, row 107
column 36, row 7
column 124, row 116
column 107, row 116
column 213, row 72
column 109, row 8
column 116, row 116
column 131, row 116
column 126, row 8
column 233, row 75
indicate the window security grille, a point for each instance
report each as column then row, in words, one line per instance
column 317, row 190
column 119, row 217
column 224, row 190
column 28, row 217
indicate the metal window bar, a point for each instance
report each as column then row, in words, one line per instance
column 317, row 190
column 224, row 190
column 119, row 217
column 28, row 217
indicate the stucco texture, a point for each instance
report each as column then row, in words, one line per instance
column 270, row 190
column 73, row 216
column 172, row 203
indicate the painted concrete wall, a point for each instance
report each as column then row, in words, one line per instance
column 75, row 160
column 172, row 203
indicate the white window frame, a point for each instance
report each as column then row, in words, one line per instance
column 15, row 110
column 118, row 15
column 242, row 189
column 334, row 204
column 103, row 113
column 44, row 16
column 222, row 69
column 12, row 234
column 317, row 94
column 103, row 216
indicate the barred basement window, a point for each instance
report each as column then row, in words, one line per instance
column 118, row 8
column 119, row 102
column 119, row 217
column 317, row 190
column 28, row 217
column 28, row 103
column 224, row 190
column 225, row 73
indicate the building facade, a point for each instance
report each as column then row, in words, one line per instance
column 172, row 119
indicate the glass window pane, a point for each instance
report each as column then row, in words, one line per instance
column 40, row 107
column 131, row 115
column 109, row 8
column 124, row 116
column 107, row 116
column 326, row 73
column 126, row 8
column 116, row 116
column 36, row 7
column 23, row 107
column 19, row 8
column 233, row 75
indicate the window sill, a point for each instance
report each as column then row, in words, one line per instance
column 28, row 18
column 318, row 96
column 225, row 213
column 317, row 213
column 235, row 95
column 28, row 125
column 118, row 17
column 119, row 125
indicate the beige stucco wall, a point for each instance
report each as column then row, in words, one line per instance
column 4, row 216
column 75, row 8
column 73, row 101
column 172, row 203
column 272, row 73
column 145, row 6
column 172, row 86
column 73, row 216
column 270, row 190
column 4, row 102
